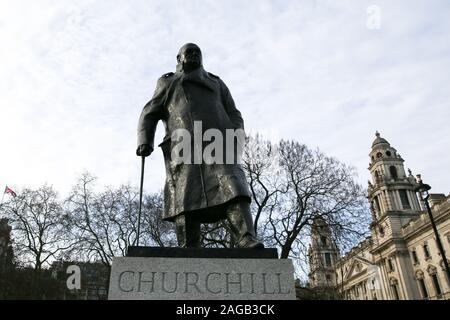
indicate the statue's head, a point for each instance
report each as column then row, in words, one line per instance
column 189, row 57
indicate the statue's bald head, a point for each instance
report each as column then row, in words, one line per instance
column 189, row 57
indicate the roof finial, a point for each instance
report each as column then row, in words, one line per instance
column 377, row 133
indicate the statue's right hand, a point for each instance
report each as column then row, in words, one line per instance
column 144, row 150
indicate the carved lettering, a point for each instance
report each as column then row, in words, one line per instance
column 228, row 282
column 151, row 282
column 264, row 284
column 120, row 281
column 279, row 284
column 164, row 283
column 207, row 283
column 188, row 283
column 252, row 284
column 212, row 283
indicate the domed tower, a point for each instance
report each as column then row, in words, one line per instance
column 322, row 255
column 391, row 190
column 393, row 204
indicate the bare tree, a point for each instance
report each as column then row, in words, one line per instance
column 39, row 230
column 216, row 235
column 260, row 163
column 290, row 185
column 155, row 230
column 317, row 185
column 106, row 222
column 39, row 226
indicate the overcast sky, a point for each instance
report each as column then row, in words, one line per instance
column 74, row 76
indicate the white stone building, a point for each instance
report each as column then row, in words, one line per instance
column 400, row 260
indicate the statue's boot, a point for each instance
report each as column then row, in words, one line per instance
column 241, row 225
column 188, row 232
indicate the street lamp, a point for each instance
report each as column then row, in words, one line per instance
column 422, row 189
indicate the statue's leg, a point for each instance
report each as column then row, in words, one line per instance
column 241, row 225
column 188, row 231
column 180, row 229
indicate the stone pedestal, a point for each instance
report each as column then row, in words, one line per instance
column 193, row 274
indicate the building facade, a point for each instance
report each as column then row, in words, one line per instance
column 323, row 255
column 400, row 259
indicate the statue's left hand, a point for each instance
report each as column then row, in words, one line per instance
column 144, row 150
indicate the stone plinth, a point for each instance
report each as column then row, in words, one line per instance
column 217, row 278
column 222, row 253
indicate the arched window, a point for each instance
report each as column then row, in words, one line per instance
column 404, row 199
column 377, row 177
column 377, row 205
column 393, row 171
column 394, row 287
column 432, row 271
column 421, row 283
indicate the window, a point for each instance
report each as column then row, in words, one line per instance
column 404, row 199
column 327, row 259
column 393, row 171
column 377, row 204
column 395, row 291
column 423, row 288
column 426, row 251
column 388, row 153
column 379, row 154
column 390, row 265
column 328, row 277
column 437, row 287
column 414, row 257
column 377, row 177
column 381, row 230
column 323, row 239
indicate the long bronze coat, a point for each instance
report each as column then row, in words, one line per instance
column 179, row 100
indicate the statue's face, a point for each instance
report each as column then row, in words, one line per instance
column 190, row 56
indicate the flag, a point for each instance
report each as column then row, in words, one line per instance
column 10, row 191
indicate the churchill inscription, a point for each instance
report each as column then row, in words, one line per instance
column 192, row 282
column 158, row 278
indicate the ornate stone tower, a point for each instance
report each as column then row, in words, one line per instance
column 393, row 204
column 391, row 192
column 323, row 255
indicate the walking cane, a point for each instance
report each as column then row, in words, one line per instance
column 140, row 200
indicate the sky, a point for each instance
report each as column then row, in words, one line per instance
column 75, row 75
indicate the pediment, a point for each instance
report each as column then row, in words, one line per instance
column 358, row 266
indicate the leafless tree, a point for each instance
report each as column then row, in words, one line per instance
column 106, row 222
column 291, row 184
column 39, row 231
column 39, row 226
column 260, row 163
column 216, row 235
column 155, row 230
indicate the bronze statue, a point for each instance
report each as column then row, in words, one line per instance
column 195, row 192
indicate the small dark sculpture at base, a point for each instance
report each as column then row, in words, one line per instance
column 194, row 192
